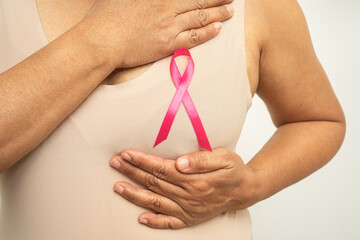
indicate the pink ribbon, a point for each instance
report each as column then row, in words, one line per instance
column 182, row 95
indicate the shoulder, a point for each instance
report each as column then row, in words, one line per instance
column 284, row 22
column 273, row 30
column 274, row 16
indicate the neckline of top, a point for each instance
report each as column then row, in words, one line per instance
column 105, row 87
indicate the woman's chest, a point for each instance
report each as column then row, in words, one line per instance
column 59, row 16
column 129, row 108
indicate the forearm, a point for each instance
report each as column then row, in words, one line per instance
column 295, row 151
column 37, row 94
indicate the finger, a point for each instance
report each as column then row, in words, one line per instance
column 190, row 38
column 148, row 199
column 201, row 17
column 161, row 221
column 148, row 180
column 205, row 161
column 162, row 168
column 185, row 6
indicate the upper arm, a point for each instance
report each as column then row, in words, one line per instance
column 292, row 82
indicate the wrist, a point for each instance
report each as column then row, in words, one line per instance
column 92, row 42
column 249, row 190
column 255, row 185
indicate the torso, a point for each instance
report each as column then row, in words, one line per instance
column 59, row 16
column 63, row 189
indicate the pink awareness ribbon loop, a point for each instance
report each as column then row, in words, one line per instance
column 182, row 95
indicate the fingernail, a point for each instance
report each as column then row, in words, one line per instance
column 115, row 163
column 217, row 25
column 119, row 189
column 144, row 220
column 184, row 163
column 126, row 156
column 230, row 8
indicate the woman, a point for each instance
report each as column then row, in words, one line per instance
column 59, row 133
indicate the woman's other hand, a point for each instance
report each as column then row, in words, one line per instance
column 134, row 33
column 184, row 192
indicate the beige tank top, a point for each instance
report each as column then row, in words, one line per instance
column 63, row 189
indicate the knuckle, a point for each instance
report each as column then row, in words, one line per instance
column 202, row 16
column 227, row 161
column 195, row 208
column 155, row 203
column 194, row 205
column 169, row 223
column 194, row 36
column 202, row 160
column 160, row 170
column 165, row 23
column 164, row 39
column 169, row 46
column 151, row 182
column 201, row 3
column 198, row 186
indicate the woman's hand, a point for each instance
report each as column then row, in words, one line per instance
column 137, row 32
column 188, row 191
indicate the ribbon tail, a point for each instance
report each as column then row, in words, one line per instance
column 205, row 145
column 166, row 124
column 170, row 116
column 196, row 122
column 165, row 128
column 159, row 139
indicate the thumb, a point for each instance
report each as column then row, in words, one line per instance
column 202, row 162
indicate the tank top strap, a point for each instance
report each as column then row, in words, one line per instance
column 243, row 66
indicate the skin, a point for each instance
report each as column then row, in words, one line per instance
column 286, row 74
column 38, row 93
column 283, row 70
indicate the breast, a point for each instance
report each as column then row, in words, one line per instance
column 67, row 181
column 63, row 188
column 129, row 115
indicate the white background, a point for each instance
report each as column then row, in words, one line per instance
column 325, row 205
